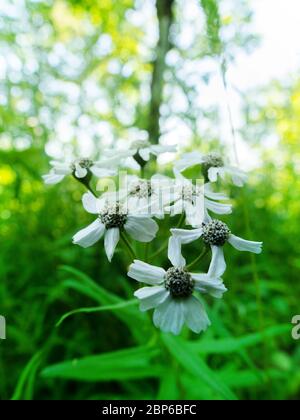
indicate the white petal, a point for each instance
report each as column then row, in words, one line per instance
column 174, row 252
column 58, row 163
column 169, row 316
column 163, row 180
column 218, row 265
column 238, row 176
column 176, row 208
column 209, row 193
column 195, row 315
column 61, row 168
column 142, row 229
column 146, row 273
column 187, row 236
column 156, row 207
column 218, row 208
column 52, row 178
column 111, row 239
column 207, row 217
column 189, row 209
column 90, row 203
column 158, row 149
column 102, row 172
column 213, row 174
column 89, row 235
column 133, row 205
column 113, row 157
column 188, row 160
column 244, row 245
column 151, row 297
column 194, row 214
column 205, row 284
column 145, row 153
column 79, row 171
column 102, row 202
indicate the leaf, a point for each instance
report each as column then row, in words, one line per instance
column 121, row 305
column 231, row 345
column 196, row 366
column 136, row 321
column 248, row 378
column 168, row 389
column 134, row 363
column 25, row 386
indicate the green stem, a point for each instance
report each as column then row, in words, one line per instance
column 165, row 244
column 128, row 245
column 181, row 221
column 104, row 308
column 160, row 250
column 147, row 245
column 91, row 190
column 199, row 258
column 87, row 183
column 143, row 171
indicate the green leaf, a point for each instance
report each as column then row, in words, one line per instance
column 134, row 363
column 136, row 321
column 248, row 378
column 196, row 366
column 25, row 386
column 168, row 389
column 231, row 345
column 117, row 306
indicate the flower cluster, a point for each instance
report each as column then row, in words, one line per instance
column 129, row 212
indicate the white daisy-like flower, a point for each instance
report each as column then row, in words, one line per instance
column 216, row 234
column 171, row 292
column 146, row 196
column 196, row 201
column 141, row 150
column 213, row 166
column 80, row 169
column 113, row 218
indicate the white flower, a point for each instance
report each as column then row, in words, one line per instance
column 215, row 234
column 170, row 292
column 142, row 150
column 144, row 196
column 113, row 219
column 196, row 201
column 212, row 166
column 80, row 168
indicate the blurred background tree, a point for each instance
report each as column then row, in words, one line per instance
column 81, row 76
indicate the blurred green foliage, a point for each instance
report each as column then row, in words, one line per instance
column 60, row 58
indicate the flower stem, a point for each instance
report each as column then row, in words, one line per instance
column 87, row 183
column 147, row 246
column 199, row 258
column 91, row 190
column 160, row 250
column 181, row 221
column 165, row 244
column 143, row 171
column 128, row 245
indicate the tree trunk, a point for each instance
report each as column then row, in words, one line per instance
column 165, row 19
